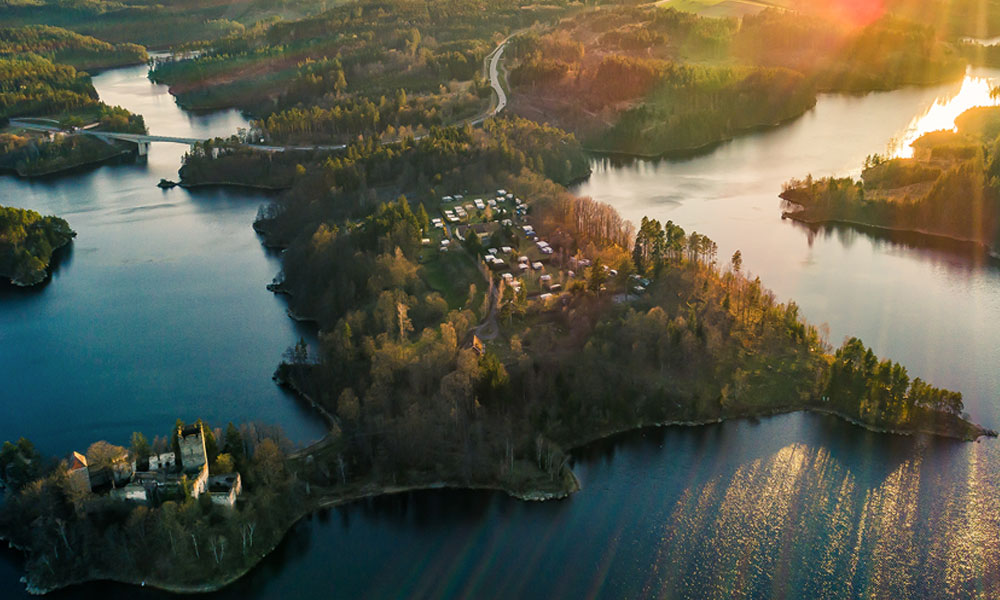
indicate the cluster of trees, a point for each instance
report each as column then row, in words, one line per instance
column 69, row 536
column 951, row 187
column 31, row 85
column 692, row 108
column 464, row 154
column 347, row 118
column 66, row 47
column 27, row 241
column 33, row 156
column 875, row 391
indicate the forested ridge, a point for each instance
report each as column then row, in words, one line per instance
column 651, row 80
column 373, row 68
column 63, row 46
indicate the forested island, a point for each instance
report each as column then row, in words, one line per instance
column 27, row 243
column 950, row 188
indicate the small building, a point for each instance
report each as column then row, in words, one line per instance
column 77, row 472
column 478, row 346
column 506, row 249
column 224, row 489
column 163, row 462
column 191, row 440
column 425, row 241
column 545, row 280
column 537, row 266
column 479, row 204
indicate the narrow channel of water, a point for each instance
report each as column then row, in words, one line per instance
column 157, row 311
column 797, row 506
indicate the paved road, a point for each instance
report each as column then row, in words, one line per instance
column 493, row 69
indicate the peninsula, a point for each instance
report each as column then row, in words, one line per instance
column 949, row 188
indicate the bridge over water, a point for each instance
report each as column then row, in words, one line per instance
column 490, row 67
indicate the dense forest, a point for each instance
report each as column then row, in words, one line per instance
column 371, row 68
column 157, row 25
column 34, row 86
column 649, row 80
column 65, row 47
column 27, row 242
column 951, row 186
column 413, row 397
column 38, row 79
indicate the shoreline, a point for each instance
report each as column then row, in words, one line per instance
column 692, row 151
column 67, row 169
column 234, row 184
column 373, row 489
column 993, row 253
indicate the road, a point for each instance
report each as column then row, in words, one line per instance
column 491, row 62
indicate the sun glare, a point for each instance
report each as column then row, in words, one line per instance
column 975, row 91
column 858, row 12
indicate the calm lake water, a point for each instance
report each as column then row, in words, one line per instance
column 798, row 506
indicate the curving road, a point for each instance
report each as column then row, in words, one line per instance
column 491, row 66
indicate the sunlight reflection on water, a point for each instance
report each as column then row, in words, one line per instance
column 974, row 92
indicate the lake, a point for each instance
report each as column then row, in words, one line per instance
column 160, row 312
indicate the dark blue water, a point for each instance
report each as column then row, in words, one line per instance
column 158, row 310
column 797, row 506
